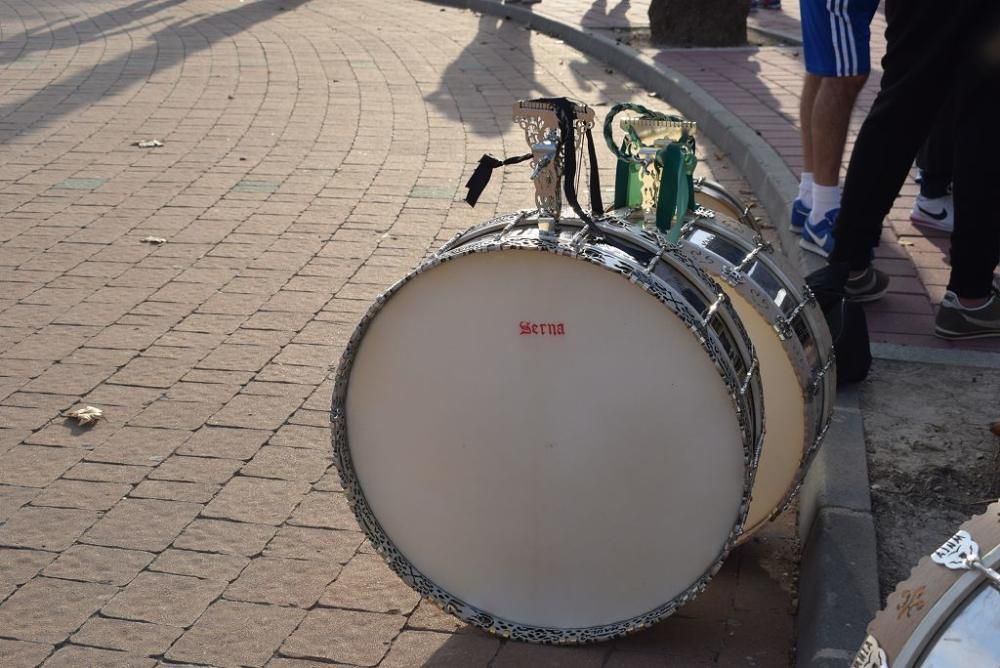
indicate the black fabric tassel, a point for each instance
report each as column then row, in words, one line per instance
column 481, row 177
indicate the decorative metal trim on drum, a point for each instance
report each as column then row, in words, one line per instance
column 947, row 613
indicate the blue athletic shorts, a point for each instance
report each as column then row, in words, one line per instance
column 836, row 36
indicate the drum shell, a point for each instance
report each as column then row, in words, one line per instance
column 507, row 233
column 776, row 292
column 779, row 294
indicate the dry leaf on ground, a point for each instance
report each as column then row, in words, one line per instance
column 86, row 415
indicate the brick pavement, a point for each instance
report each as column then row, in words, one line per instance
column 763, row 86
column 313, row 153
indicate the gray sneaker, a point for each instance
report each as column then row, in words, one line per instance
column 868, row 287
column 955, row 321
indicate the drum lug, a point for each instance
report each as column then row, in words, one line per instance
column 710, row 312
column 687, row 227
column 734, row 277
column 818, row 377
column 783, row 328
column 745, row 385
column 651, row 265
column 783, row 325
column 579, row 239
column 448, row 244
column 509, row 226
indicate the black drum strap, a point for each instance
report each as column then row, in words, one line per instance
column 567, row 131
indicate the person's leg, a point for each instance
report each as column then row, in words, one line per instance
column 820, row 62
column 975, row 243
column 933, row 206
column 844, row 76
column 804, row 201
column 810, row 86
column 971, row 305
column 831, row 116
column 922, row 46
column 937, row 154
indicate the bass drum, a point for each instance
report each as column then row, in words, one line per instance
column 947, row 614
column 551, row 435
column 715, row 197
column 793, row 345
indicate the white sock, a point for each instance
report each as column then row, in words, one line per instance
column 825, row 198
column 806, row 189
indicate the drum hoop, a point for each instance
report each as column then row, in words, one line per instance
column 398, row 562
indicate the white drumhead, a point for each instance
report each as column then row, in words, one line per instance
column 785, row 417
column 553, row 479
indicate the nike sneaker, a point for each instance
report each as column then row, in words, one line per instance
column 818, row 237
column 868, row 287
column 934, row 212
column 800, row 213
column 954, row 321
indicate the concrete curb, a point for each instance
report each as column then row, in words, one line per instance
column 838, row 572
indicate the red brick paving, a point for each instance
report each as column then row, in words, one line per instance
column 313, row 154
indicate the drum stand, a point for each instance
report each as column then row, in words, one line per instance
column 541, row 125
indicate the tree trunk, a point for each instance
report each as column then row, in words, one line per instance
column 699, row 22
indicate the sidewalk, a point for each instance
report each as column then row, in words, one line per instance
column 762, row 85
column 313, row 153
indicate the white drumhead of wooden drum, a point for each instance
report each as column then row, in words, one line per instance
column 543, row 439
column 784, row 412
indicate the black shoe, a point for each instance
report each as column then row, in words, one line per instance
column 868, row 287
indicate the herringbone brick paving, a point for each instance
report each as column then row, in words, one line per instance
column 313, row 154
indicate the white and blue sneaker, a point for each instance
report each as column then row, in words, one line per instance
column 818, row 237
column 800, row 214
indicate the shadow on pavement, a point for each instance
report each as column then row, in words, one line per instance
column 86, row 29
column 598, row 15
column 166, row 48
column 472, row 77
